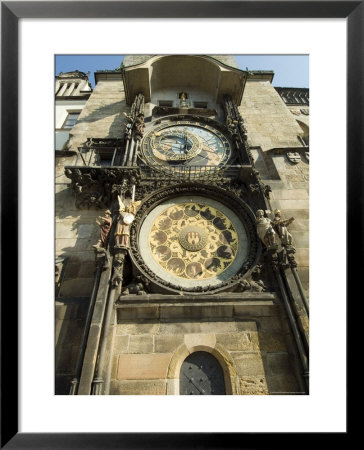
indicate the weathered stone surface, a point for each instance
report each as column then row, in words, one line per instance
column 143, row 367
column 76, row 287
column 144, row 387
column 179, row 327
column 173, row 386
column 218, row 327
column 167, row 344
column 138, row 328
column 278, row 363
column 283, row 384
column 253, row 386
column 195, row 340
column 235, row 341
column 301, row 239
column 269, row 342
column 302, row 256
column 217, row 311
column 255, row 310
column 270, row 324
column 246, row 325
column 134, row 313
column 248, row 364
column 121, row 344
column 141, row 343
column 277, row 127
column 290, row 194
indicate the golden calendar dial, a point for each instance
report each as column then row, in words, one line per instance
column 193, row 242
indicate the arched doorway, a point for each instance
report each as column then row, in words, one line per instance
column 201, row 374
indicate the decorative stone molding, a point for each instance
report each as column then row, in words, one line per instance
column 96, row 187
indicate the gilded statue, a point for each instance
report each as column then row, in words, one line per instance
column 127, row 211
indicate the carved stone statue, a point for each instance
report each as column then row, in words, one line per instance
column 127, row 211
column 139, row 126
column 134, row 288
column 129, row 125
column 280, row 227
column 265, row 229
column 183, row 98
column 105, row 225
column 293, row 157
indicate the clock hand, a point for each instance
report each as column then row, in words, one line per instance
column 214, row 152
column 185, row 144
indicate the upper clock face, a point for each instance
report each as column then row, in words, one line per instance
column 186, row 143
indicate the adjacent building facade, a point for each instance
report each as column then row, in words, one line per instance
column 182, row 233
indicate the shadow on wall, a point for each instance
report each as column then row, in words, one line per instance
column 99, row 123
column 70, row 316
column 278, row 364
column 76, row 232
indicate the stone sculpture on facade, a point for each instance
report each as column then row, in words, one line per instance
column 139, row 126
column 265, row 230
column 127, row 211
column 105, row 226
column 293, row 157
column 280, row 226
column 129, row 125
column 183, row 97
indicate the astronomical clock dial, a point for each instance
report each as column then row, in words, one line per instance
column 193, row 241
column 186, row 143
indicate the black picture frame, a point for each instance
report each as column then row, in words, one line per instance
column 11, row 12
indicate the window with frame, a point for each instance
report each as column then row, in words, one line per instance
column 167, row 103
column 200, row 104
column 71, row 120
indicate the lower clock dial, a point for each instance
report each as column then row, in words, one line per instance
column 193, row 241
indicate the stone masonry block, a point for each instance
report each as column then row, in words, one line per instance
column 283, row 384
column 253, row 386
column 138, row 328
column 121, row 344
column 248, row 364
column 145, row 387
column 278, row 363
column 235, row 341
column 195, row 340
column 269, row 342
column 167, row 344
column 141, row 343
column 143, row 367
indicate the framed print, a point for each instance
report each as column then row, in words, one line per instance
column 175, row 132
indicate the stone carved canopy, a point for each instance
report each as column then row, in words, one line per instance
column 190, row 71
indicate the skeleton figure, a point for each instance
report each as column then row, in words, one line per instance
column 265, row 229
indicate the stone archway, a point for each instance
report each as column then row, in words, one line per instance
column 207, row 343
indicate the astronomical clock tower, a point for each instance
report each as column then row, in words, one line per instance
column 195, row 289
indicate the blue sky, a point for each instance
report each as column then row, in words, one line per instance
column 289, row 70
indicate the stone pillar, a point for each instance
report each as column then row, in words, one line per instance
column 90, row 358
column 100, row 264
column 294, row 327
column 114, row 292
